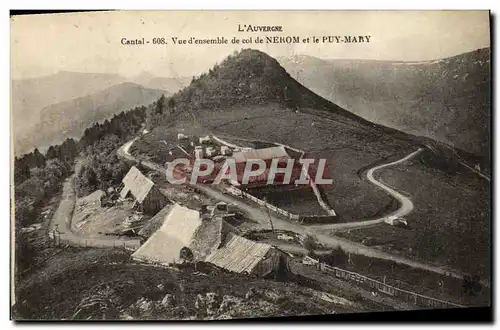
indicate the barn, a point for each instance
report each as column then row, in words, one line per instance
column 180, row 228
column 143, row 190
column 176, row 232
column 243, row 256
column 267, row 155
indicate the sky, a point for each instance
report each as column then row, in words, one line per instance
column 91, row 42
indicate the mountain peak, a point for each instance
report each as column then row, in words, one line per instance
column 249, row 77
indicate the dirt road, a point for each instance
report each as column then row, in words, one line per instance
column 262, row 217
column 406, row 205
column 64, row 213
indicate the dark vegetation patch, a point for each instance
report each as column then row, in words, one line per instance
column 299, row 201
column 450, row 224
column 416, row 280
column 56, row 291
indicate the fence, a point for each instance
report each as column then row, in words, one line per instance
column 309, row 219
column 390, row 290
column 237, row 192
column 132, row 244
column 319, row 219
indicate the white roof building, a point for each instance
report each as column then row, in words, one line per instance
column 266, row 153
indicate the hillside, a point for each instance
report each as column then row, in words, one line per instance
column 447, row 99
column 70, row 118
column 103, row 284
column 29, row 96
column 250, row 96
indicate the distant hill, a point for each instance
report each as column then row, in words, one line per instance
column 448, row 100
column 29, row 96
column 170, row 85
column 70, row 118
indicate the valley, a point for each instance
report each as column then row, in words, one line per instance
column 445, row 99
column 403, row 209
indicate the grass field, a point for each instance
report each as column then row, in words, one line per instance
column 300, row 202
column 416, row 280
column 450, row 224
column 347, row 147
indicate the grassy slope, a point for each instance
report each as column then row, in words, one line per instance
column 247, row 96
column 350, row 145
column 448, row 100
column 80, row 273
column 450, row 224
column 347, row 146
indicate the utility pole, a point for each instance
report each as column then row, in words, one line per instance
column 269, row 215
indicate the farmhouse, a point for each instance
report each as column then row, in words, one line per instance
column 177, row 227
column 264, row 154
column 241, row 255
column 225, row 150
column 204, row 139
column 143, row 190
column 267, row 155
column 176, row 232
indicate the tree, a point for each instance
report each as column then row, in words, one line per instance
column 38, row 160
column 171, row 105
column 160, row 104
column 25, row 253
column 335, row 257
column 310, row 243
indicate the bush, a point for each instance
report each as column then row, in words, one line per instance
column 336, row 257
column 310, row 243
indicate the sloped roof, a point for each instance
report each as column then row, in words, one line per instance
column 94, row 197
column 137, row 183
column 155, row 222
column 266, row 153
column 239, row 254
column 209, row 236
column 176, row 232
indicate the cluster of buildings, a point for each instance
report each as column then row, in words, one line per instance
column 204, row 148
column 241, row 156
column 206, row 233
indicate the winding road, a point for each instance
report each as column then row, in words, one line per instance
column 262, row 217
column 406, row 205
column 63, row 216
